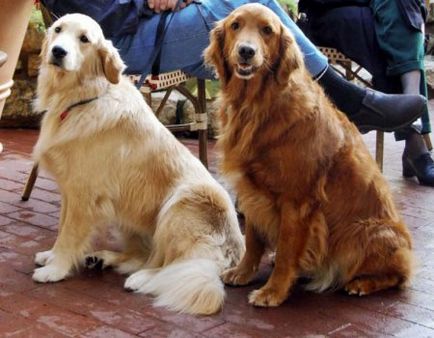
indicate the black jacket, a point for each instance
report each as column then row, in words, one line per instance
column 414, row 11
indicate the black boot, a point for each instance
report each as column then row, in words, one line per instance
column 388, row 112
column 369, row 109
column 422, row 167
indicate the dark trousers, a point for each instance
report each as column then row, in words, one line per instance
column 376, row 37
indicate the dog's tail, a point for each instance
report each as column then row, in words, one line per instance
column 192, row 286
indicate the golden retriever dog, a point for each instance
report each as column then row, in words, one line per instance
column 304, row 178
column 115, row 163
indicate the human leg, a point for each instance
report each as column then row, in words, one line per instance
column 337, row 28
column 187, row 36
column 369, row 109
column 14, row 16
column 403, row 45
column 411, row 82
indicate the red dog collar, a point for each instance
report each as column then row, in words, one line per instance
column 65, row 113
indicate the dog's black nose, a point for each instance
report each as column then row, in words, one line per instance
column 59, row 52
column 246, row 52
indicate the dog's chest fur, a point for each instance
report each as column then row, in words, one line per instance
column 276, row 152
column 262, row 162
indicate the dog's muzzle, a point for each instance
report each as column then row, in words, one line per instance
column 57, row 55
column 246, row 54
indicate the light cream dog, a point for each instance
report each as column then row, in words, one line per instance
column 116, row 164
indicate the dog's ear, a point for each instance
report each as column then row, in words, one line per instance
column 289, row 59
column 214, row 54
column 112, row 64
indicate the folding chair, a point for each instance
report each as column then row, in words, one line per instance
column 176, row 81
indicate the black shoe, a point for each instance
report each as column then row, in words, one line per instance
column 421, row 167
column 388, row 112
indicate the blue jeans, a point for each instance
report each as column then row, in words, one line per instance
column 186, row 37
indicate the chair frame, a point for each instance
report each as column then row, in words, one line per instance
column 176, row 81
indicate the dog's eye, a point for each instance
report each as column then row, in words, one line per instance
column 235, row 25
column 84, row 39
column 267, row 30
column 57, row 29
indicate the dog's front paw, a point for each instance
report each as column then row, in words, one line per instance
column 49, row 273
column 236, row 276
column 44, row 257
column 267, row 297
column 137, row 280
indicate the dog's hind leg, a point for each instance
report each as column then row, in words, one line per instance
column 388, row 262
column 71, row 243
column 122, row 262
column 365, row 285
column 246, row 270
column 395, row 273
column 131, row 260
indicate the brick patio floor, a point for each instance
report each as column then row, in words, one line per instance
column 93, row 304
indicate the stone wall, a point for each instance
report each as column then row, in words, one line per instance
column 18, row 112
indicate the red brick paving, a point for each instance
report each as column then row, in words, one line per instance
column 93, row 304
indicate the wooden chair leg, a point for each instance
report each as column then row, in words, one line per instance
column 427, row 140
column 203, row 131
column 148, row 99
column 379, row 149
column 30, row 183
column 203, row 151
column 163, row 102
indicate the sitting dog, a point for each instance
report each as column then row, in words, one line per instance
column 304, row 178
column 115, row 163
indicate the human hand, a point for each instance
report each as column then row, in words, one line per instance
column 185, row 3
column 164, row 5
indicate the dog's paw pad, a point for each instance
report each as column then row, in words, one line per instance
column 49, row 273
column 94, row 262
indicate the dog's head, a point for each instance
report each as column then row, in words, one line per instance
column 76, row 43
column 252, row 40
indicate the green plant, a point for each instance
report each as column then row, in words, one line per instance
column 36, row 20
column 290, row 6
column 212, row 87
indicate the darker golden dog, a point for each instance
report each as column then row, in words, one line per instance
column 304, row 178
